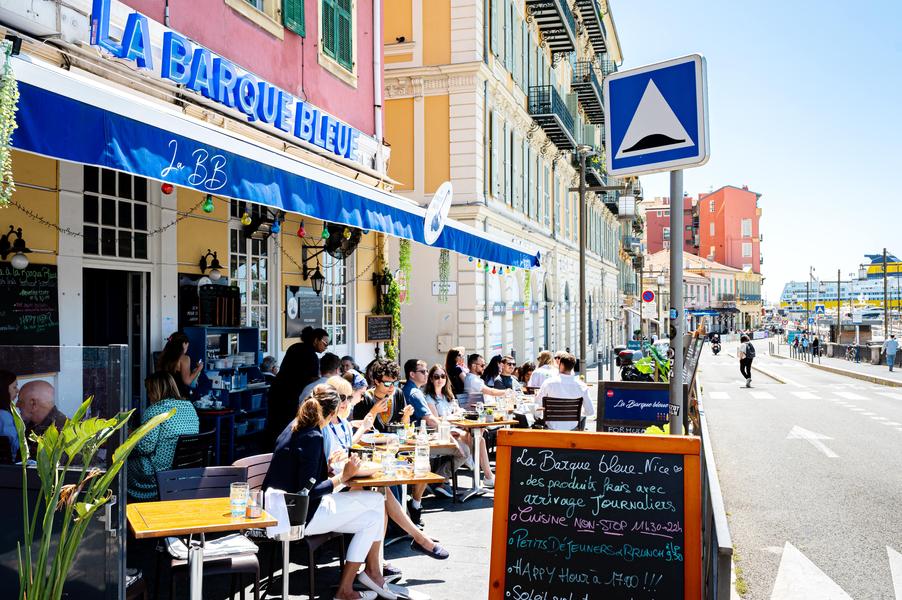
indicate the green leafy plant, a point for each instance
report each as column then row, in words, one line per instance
column 405, row 265
column 9, row 103
column 444, row 275
column 391, row 305
column 527, row 287
column 43, row 573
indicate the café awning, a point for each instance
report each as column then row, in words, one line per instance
column 71, row 117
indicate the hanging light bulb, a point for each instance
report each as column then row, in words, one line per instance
column 501, row 271
column 486, row 267
column 208, row 204
column 469, row 259
column 494, row 270
column 512, row 269
column 346, row 233
column 245, row 219
column 301, row 231
column 166, row 188
column 325, row 234
column 276, row 226
column 478, row 264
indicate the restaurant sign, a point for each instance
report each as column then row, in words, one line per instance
column 197, row 68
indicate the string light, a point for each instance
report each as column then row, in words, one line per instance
column 478, row 264
column 302, row 233
column 208, row 204
column 166, row 188
column 469, row 259
column 276, row 226
column 494, row 270
column 346, row 233
column 246, row 219
column 325, row 234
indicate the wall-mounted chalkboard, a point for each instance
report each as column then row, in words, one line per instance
column 29, row 306
column 303, row 308
column 588, row 516
column 378, row 328
column 189, row 297
column 219, row 306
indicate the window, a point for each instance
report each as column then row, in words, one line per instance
column 746, row 228
column 660, row 213
column 711, row 206
column 335, row 301
column 711, row 228
column 115, row 214
column 265, row 14
column 293, row 16
column 258, row 4
column 337, row 31
column 746, row 249
column 249, row 270
column 667, row 233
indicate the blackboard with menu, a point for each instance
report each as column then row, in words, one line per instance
column 29, row 306
column 303, row 308
column 379, row 328
column 587, row 516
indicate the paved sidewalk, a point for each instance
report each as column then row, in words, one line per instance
column 880, row 373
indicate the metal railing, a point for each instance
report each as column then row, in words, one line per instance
column 545, row 100
column 726, row 297
column 564, row 8
column 717, row 545
column 607, row 66
column 584, row 72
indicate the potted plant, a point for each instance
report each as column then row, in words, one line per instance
column 44, row 563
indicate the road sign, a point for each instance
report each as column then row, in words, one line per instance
column 810, row 320
column 657, row 117
column 648, row 296
column 819, row 309
column 673, row 314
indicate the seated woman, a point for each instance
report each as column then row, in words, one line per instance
column 339, row 440
column 9, row 389
column 157, row 449
column 299, row 457
column 175, row 360
column 524, row 373
column 439, row 396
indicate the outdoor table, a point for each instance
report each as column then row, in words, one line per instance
column 477, row 428
column 436, row 448
column 189, row 517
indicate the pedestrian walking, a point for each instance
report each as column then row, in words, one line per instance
column 746, row 354
column 815, row 346
column 805, row 344
column 891, row 346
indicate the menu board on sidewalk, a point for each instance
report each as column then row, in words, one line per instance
column 633, row 406
column 587, row 516
column 693, row 352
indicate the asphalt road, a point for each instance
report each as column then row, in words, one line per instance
column 837, row 500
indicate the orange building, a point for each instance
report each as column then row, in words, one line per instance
column 728, row 228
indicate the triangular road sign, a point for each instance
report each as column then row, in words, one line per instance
column 654, row 127
column 799, row 579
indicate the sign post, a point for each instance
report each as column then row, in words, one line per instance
column 658, row 121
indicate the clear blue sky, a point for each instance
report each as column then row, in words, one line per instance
column 805, row 102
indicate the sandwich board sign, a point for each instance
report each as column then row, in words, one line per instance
column 657, row 117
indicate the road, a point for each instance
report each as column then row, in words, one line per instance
column 811, row 472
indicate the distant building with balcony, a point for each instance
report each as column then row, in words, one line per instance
column 658, row 235
column 497, row 96
column 728, row 230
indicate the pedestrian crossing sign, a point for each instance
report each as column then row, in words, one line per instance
column 657, row 117
column 819, row 309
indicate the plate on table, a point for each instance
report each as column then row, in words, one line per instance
column 368, row 468
column 377, row 438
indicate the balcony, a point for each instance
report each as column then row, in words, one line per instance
column 726, row 297
column 550, row 111
column 632, row 244
column 594, row 23
column 595, row 170
column 629, row 289
column 587, row 86
column 556, row 22
column 607, row 66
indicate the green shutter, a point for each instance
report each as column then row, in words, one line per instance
column 496, row 25
column 328, row 34
column 293, row 16
column 344, row 52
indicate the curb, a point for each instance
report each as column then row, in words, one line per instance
column 851, row 374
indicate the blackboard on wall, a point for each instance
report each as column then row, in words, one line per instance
column 189, row 298
column 588, row 516
column 379, row 328
column 29, row 306
column 303, row 308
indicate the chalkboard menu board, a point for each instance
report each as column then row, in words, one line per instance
column 219, row 305
column 690, row 360
column 587, row 516
column 633, row 406
column 378, row 328
column 29, row 306
column 303, row 308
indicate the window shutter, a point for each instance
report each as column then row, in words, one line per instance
column 293, row 16
column 328, row 33
column 515, row 172
column 344, row 51
column 497, row 145
column 496, row 25
column 527, row 178
column 505, row 165
column 508, row 36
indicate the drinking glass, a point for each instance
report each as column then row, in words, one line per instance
column 238, row 499
column 390, row 466
column 254, row 504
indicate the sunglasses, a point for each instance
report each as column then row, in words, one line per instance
column 510, row 364
column 344, row 397
column 389, row 383
column 437, row 377
column 421, row 371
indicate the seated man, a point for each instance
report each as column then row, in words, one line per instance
column 37, row 406
column 506, row 380
column 474, row 386
column 566, row 385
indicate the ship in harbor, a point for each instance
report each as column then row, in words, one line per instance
column 860, row 293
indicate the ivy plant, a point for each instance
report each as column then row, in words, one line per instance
column 9, row 103
column 444, row 274
column 405, row 265
column 391, row 305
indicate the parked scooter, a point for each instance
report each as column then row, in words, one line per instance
column 715, row 348
column 628, row 370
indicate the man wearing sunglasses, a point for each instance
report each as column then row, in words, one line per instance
column 413, row 392
column 506, row 380
column 385, row 401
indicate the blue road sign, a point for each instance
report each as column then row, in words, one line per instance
column 819, row 309
column 657, row 117
column 810, row 320
column 648, row 296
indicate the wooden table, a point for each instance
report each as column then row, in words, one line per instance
column 477, row 427
column 435, row 448
column 189, row 517
column 402, row 477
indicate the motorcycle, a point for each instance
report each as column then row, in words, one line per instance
column 715, row 348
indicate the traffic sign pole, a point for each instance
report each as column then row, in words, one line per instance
column 677, row 325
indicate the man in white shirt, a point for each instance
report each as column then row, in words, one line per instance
column 475, row 388
column 546, row 369
column 566, row 385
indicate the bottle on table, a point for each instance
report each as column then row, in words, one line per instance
column 444, row 430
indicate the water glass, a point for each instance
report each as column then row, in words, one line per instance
column 254, row 504
column 390, row 466
column 238, row 499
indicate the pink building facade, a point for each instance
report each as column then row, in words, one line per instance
column 728, row 228
column 657, row 225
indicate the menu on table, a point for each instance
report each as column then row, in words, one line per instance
column 582, row 516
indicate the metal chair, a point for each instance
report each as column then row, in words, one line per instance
column 207, row 482
column 563, row 409
column 193, row 450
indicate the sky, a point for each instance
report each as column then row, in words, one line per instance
column 805, row 107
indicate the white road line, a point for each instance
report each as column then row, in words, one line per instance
column 868, row 414
column 719, row 395
column 892, row 423
column 800, row 579
column 762, row 396
column 850, row 395
column 892, row 395
column 895, row 569
column 813, row 438
column 805, row 395
column 879, row 418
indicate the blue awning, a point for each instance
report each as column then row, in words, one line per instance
column 69, row 117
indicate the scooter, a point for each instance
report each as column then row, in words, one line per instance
column 628, row 371
column 715, row 348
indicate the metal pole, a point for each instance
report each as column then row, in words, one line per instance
column 808, row 302
column 676, row 302
column 583, row 359
column 885, row 306
column 838, row 305
column 641, row 300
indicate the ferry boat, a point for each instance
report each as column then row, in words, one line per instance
column 859, row 294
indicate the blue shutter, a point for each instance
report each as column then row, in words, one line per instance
column 293, row 16
column 496, row 25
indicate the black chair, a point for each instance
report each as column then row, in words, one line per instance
column 6, row 451
column 193, row 450
column 563, row 409
column 208, row 482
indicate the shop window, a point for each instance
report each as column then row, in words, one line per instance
column 115, row 214
column 249, row 269
column 335, row 301
column 337, row 31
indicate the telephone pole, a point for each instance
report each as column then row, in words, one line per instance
column 885, row 305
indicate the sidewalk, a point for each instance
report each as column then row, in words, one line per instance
column 879, row 374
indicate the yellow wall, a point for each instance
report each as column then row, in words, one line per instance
column 38, row 171
column 399, row 58
column 366, row 292
column 398, row 20
column 436, row 32
column 438, row 142
column 399, row 133
column 197, row 234
column 292, row 274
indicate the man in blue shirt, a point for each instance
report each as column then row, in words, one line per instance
column 891, row 346
column 416, row 372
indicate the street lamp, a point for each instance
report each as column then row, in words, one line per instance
column 584, row 152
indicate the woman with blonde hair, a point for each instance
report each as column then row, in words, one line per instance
column 546, row 368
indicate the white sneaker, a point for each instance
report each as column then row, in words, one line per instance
column 489, row 483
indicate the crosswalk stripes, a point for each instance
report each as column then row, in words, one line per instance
column 891, row 395
column 719, row 395
column 850, row 395
column 762, row 396
column 805, row 395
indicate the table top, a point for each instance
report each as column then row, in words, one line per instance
column 403, row 476
column 406, row 447
column 468, row 424
column 184, row 517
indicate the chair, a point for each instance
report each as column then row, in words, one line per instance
column 208, row 482
column 257, row 466
column 6, row 451
column 563, row 409
column 193, row 450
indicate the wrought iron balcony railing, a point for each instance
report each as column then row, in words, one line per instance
column 556, row 22
column 587, row 86
column 550, row 111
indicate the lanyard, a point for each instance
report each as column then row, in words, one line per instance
column 343, row 438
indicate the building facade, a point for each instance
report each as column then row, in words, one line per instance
column 728, row 230
column 497, row 96
column 658, row 236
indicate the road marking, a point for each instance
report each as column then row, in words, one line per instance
column 719, row 395
column 893, row 395
column 868, row 414
column 799, row 579
column 895, row 569
column 805, row 395
column 892, row 423
column 879, row 418
column 762, row 396
column 850, row 395
column 856, row 409
column 797, row 433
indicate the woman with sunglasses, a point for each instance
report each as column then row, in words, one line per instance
column 385, row 401
column 439, row 396
column 339, row 439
